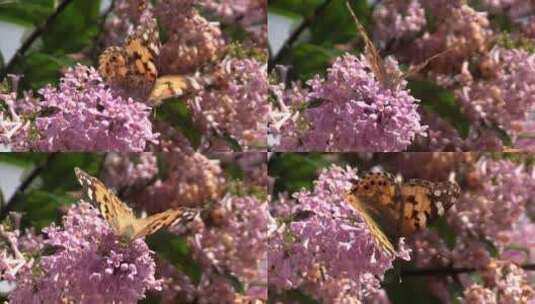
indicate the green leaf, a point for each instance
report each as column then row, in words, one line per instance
column 502, row 134
column 439, row 100
column 233, row 170
column 309, row 59
column 295, row 7
column 40, row 208
column 40, row 69
column 445, row 231
column 2, row 199
column 337, row 16
column 285, row 13
column 175, row 250
column 292, row 296
column 294, row 171
column 404, row 291
column 234, row 31
column 26, row 12
column 456, row 293
column 25, row 159
column 59, row 176
column 175, row 112
column 151, row 297
column 231, row 142
column 490, row 247
column 73, row 29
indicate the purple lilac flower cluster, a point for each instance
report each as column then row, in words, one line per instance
column 232, row 242
column 489, row 78
column 81, row 114
column 356, row 112
column 238, row 107
column 89, row 116
column 88, row 264
column 228, row 240
column 84, row 261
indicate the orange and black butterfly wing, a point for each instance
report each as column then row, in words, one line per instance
column 423, row 202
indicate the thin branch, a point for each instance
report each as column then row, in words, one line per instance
column 448, row 271
column 33, row 36
column 15, row 198
column 295, row 35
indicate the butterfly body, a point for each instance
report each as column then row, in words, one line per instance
column 120, row 217
column 396, row 208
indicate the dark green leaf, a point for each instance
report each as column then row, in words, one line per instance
column 445, row 231
column 40, row 208
column 294, row 171
column 151, row 297
column 22, row 159
column 232, row 143
column 26, row 12
column 73, row 29
column 175, row 112
column 335, row 24
column 2, row 199
column 299, row 7
column 309, row 60
column 403, row 291
column 59, row 173
column 233, row 170
column 502, row 135
column 491, row 248
column 40, row 69
column 175, row 250
column 2, row 63
column 291, row 296
column 439, row 100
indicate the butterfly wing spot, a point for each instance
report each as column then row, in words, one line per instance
column 133, row 64
column 401, row 208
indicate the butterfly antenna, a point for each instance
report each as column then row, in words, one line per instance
column 372, row 54
column 414, row 69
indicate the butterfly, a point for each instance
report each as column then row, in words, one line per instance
column 392, row 207
column 133, row 65
column 121, row 218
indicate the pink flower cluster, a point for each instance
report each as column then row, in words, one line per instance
column 237, row 107
column 228, row 241
column 79, row 115
column 88, row 264
column 356, row 112
column 491, row 79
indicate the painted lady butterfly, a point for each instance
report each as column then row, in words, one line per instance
column 121, row 218
column 395, row 208
column 133, row 65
